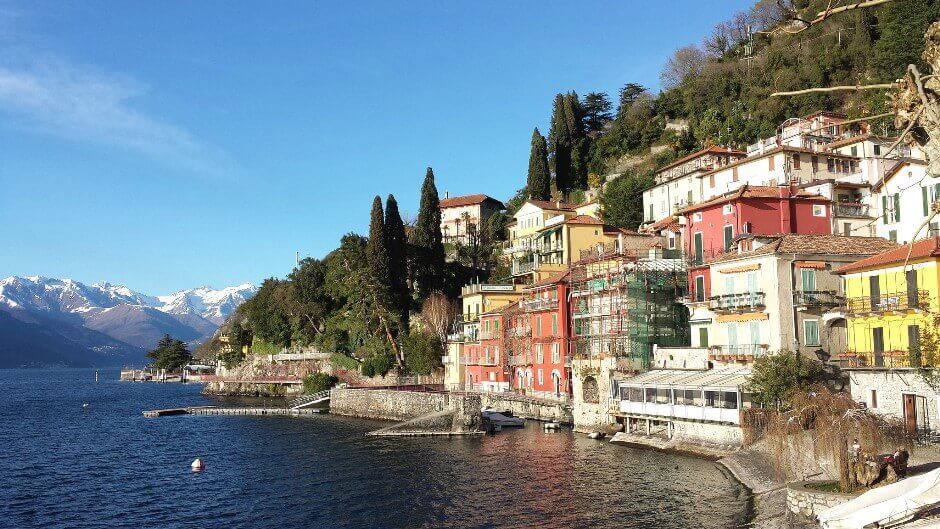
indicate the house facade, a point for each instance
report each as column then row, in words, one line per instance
column 546, row 370
column 907, row 196
column 891, row 299
column 463, row 217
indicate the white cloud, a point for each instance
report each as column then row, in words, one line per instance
column 82, row 104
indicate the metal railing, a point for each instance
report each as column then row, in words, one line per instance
column 744, row 302
column 540, row 304
column 890, row 359
column 523, row 267
column 469, row 317
column 752, row 349
column 520, row 331
column 850, row 209
column 818, row 298
column 520, row 360
column 479, row 360
column 914, row 300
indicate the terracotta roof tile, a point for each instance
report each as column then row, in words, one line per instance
column 548, row 204
column 916, row 250
column 748, row 191
column 467, row 200
column 806, row 244
column 551, row 280
column 714, row 149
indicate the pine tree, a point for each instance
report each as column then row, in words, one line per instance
column 539, row 182
column 597, row 115
column 396, row 244
column 428, row 242
column 378, row 257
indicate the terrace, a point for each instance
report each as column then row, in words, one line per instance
column 897, row 301
column 744, row 302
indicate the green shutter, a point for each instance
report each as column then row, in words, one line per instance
column 884, row 208
column 897, row 207
column 926, row 194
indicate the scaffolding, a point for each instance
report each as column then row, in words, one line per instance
column 623, row 304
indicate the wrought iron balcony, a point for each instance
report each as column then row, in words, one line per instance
column 746, row 302
column 898, row 301
column 523, row 267
column 850, row 209
column 818, row 299
column 520, row 360
column 889, row 359
column 519, row 331
column 469, row 317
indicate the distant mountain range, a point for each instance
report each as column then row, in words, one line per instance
column 60, row 322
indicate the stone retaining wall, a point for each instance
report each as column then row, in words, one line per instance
column 807, row 502
column 527, row 408
column 387, row 404
column 248, row 389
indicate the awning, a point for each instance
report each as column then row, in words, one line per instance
column 685, row 378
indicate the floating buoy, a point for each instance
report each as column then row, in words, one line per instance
column 197, row 465
column 84, row 405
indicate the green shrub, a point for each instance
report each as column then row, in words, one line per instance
column 422, row 352
column 343, row 361
column 367, row 368
column 316, row 382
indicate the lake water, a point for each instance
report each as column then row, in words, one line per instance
column 105, row 465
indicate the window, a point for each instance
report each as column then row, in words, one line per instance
column 814, row 160
column 539, row 356
column 649, row 394
column 893, row 235
column 873, row 400
column 697, row 217
column 492, row 376
column 699, row 244
column 541, row 377
column 538, row 325
column 496, row 324
column 755, row 332
column 711, row 181
column 819, row 210
column 796, row 160
column 554, row 325
column 913, row 344
column 729, row 284
column 729, row 237
column 556, row 353
column 930, row 194
column 734, row 174
column 770, row 163
column 877, row 149
column 846, row 228
column 671, row 242
column 831, row 165
column 727, row 209
column 733, row 334
column 854, row 150
column 808, row 279
column 811, row 332
column 699, row 288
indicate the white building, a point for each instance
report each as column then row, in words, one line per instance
column 462, row 218
column 906, row 197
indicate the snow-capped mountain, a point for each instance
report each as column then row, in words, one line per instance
column 104, row 318
column 213, row 305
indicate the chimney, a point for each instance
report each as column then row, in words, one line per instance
column 446, row 194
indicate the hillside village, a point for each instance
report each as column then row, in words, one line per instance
column 807, row 259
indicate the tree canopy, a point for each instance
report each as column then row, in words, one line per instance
column 170, row 354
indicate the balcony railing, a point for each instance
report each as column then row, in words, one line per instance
column 818, row 298
column 540, row 304
column 479, row 360
column 850, row 209
column 519, row 331
column 741, row 352
column 747, row 302
column 524, row 267
column 520, row 360
column 469, row 317
column 890, row 359
column 915, row 300
column 491, row 335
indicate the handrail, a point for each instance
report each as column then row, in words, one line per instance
column 916, row 300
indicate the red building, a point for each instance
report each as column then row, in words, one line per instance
column 712, row 226
column 546, row 370
column 486, row 361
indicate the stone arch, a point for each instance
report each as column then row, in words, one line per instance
column 589, row 390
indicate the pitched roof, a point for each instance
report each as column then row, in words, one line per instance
column 812, row 244
column 714, row 149
column 505, row 309
column 748, row 191
column 550, row 280
column 548, row 204
column 770, row 152
column 467, row 200
column 584, row 219
column 895, row 169
column 916, row 250
column 668, row 223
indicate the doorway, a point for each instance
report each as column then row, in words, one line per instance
column 910, row 412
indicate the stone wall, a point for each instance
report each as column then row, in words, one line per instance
column 251, row 389
column 890, row 385
column 805, row 502
column 528, row 408
column 725, row 436
column 387, row 404
column 589, row 410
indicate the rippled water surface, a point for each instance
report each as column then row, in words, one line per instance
column 62, row 465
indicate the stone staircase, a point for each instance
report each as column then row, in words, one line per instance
column 306, row 401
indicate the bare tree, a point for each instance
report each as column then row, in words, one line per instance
column 685, row 63
column 439, row 313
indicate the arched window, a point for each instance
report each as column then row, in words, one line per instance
column 589, row 391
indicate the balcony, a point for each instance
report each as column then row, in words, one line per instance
column 519, row 331
column 533, row 305
column 523, row 267
column 549, row 248
column 898, row 301
column 887, row 359
column 481, row 288
column 745, row 352
column 469, row 317
column 520, row 360
column 730, row 303
column 806, row 299
column 491, row 335
column 479, row 360
column 850, row 209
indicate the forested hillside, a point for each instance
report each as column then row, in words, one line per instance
column 720, row 88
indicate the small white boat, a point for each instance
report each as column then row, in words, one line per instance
column 552, row 426
column 597, row 435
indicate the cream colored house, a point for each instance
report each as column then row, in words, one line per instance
column 463, row 217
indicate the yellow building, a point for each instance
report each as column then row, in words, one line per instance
column 475, row 299
column 890, row 297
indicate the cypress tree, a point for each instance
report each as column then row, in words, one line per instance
column 377, row 255
column 561, row 148
column 428, row 242
column 574, row 121
column 539, row 182
column 396, row 244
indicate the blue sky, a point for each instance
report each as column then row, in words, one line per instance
column 166, row 145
